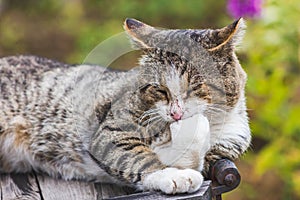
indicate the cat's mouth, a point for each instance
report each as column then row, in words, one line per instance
column 176, row 111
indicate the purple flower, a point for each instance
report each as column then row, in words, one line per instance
column 244, row 8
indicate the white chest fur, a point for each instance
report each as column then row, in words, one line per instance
column 190, row 141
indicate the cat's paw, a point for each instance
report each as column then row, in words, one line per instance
column 173, row 180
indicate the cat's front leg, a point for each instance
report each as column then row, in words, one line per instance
column 123, row 155
column 190, row 142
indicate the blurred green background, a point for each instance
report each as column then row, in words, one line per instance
column 68, row 30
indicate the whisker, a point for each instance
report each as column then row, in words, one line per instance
column 216, row 110
column 146, row 115
column 151, row 110
column 155, row 110
column 150, row 120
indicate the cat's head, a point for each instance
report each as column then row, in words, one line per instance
column 185, row 72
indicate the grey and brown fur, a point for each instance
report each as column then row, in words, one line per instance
column 87, row 122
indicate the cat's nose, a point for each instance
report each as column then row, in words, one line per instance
column 176, row 111
column 176, row 116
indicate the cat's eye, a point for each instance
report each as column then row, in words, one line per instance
column 144, row 88
column 163, row 92
column 155, row 88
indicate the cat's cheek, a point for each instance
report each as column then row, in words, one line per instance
column 173, row 180
column 164, row 111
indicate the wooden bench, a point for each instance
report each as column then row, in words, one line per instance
column 224, row 177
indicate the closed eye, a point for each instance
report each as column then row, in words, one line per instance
column 163, row 92
column 144, row 87
column 216, row 88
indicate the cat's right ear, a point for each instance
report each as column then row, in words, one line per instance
column 138, row 32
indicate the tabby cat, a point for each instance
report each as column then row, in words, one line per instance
column 156, row 127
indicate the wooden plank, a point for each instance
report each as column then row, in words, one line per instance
column 19, row 186
column 106, row 190
column 204, row 193
column 53, row 189
column 31, row 187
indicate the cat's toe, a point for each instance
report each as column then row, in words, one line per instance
column 194, row 179
column 173, row 180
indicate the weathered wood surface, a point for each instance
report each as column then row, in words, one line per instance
column 204, row 193
column 19, row 186
column 39, row 187
column 52, row 189
column 224, row 175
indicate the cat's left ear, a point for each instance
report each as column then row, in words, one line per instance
column 138, row 32
column 228, row 37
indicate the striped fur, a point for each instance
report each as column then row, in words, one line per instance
column 154, row 127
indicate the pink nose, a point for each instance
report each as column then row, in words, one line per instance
column 176, row 110
column 176, row 116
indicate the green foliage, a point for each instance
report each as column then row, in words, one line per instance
column 86, row 23
column 274, row 89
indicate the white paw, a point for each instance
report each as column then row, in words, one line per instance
column 173, row 180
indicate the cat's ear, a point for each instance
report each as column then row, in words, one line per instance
column 138, row 32
column 228, row 37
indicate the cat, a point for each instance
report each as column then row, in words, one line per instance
column 159, row 126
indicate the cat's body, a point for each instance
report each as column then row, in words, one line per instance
column 150, row 127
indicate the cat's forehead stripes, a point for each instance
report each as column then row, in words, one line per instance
column 173, row 81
